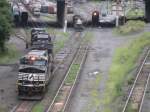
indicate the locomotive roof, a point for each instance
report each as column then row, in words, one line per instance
column 37, row 52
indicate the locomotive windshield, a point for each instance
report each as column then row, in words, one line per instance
column 31, row 70
column 36, row 62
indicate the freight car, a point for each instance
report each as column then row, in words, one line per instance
column 16, row 14
column 34, row 74
column 41, row 39
column 20, row 14
column 23, row 15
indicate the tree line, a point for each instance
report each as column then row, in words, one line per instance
column 5, row 23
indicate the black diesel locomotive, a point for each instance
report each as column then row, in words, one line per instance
column 95, row 18
column 78, row 22
column 36, row 67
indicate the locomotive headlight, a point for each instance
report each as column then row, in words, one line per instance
column 94, row 13
column 33, row 58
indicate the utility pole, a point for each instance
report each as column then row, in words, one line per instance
column 107, row 6
column 124, row 12
column 65, row 16
column 60, row 12
column 117, row 13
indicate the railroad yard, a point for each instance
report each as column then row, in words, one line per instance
column 76, row 56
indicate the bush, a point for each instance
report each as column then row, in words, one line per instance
column 130, row 27
column 135, row 13
column 10, row 55
column 5, row 23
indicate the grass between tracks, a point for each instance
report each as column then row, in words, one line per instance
column 10, row 55
column 72, row 74
column 135, row 13
column 130, row 27
column 74, row 69
column 95, row 101
column 60, row 43
column 124, row 62
column 38, row 108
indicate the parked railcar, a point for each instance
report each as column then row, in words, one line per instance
column 78, row 22
column 16, row 14
column 95, row 18
column 23, row 15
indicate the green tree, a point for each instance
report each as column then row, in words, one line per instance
column 5, row 23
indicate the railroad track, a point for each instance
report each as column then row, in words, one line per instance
column 62, row 97
column 59, row 60
column 24, row 106
column 136, row 96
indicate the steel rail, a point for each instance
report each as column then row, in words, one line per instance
column 147, row 82
column 73, row 86
column 62, row 83
column 138, row 74
column 53, row 101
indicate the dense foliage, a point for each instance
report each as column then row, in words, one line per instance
column 130, row 27
column 135, row 13
column 5, row 23
column 122, row 71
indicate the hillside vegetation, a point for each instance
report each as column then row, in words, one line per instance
column 5, row 23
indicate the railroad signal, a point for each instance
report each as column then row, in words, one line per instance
column 95, row 17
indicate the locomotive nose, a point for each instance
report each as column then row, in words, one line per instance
column 94, row 14
column 95, row 18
